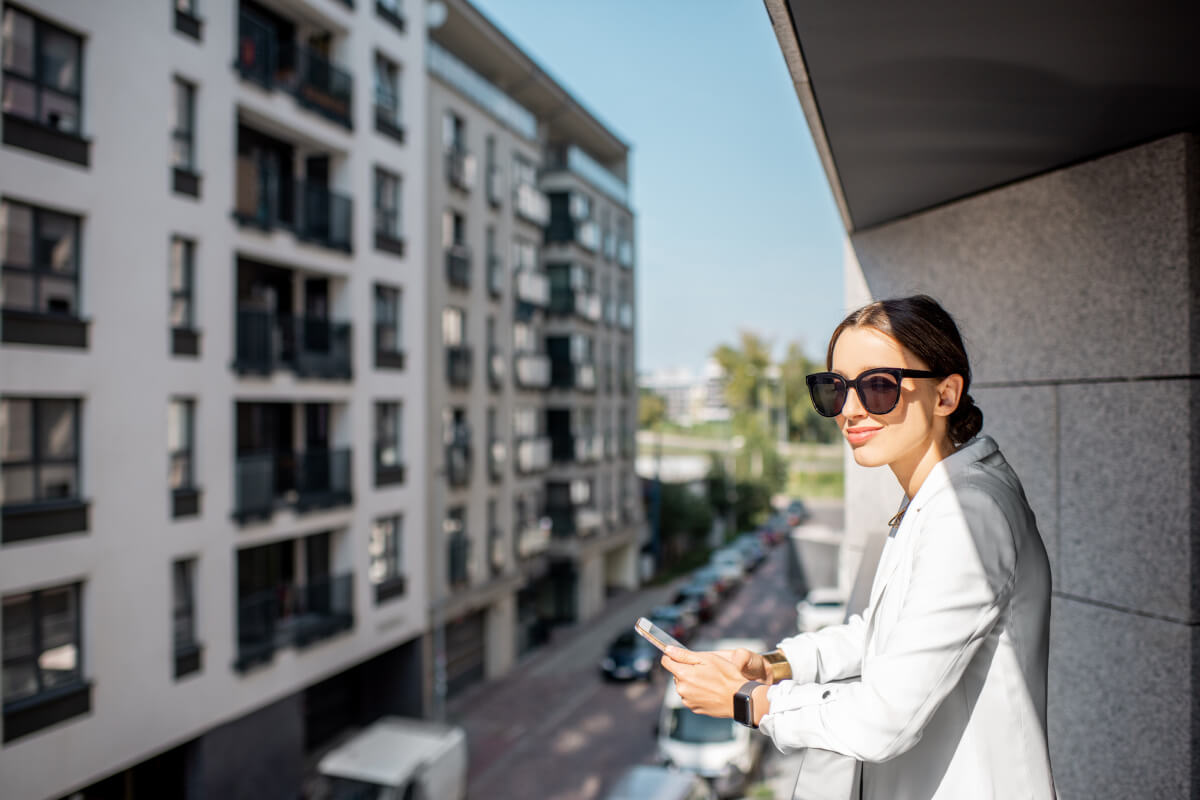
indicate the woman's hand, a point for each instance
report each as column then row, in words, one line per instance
column 752, row 665
column 707, row 681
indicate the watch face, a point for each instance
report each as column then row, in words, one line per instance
column 742, row 711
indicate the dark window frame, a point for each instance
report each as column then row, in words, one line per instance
column 390, row 70
column 185, row 569
column 381, row 434
column 36, row 462
column 37, row 270
column 37, row 651
column 188, row 270
column 186, row 134
column 38, row 80
column 383, row 214
column 392, row 298
column 392, row 553
column 187, row 454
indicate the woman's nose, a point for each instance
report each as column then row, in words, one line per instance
column 853, row 407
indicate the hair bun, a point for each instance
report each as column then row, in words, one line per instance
column 966, row 421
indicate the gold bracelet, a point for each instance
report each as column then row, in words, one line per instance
column 778, row 668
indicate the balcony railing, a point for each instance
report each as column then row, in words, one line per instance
column 588, row 234
column 292, row 615
column 460, row 169
column 496, row 365
column 589, row 449
column 532, row 539
column 269, row 200
column 458, row 366
column 532, row 370
column 531, row 204
column 306, row 481
column 458, row 459
column 533, row 455
column 585, row 304
column 497, row 458
column 310, row 346
column 533, row 287
column 458, row 266
column 458, row 561
column 570, row 375
column 316, row 82
column 574, row 521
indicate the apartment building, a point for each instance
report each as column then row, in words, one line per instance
column 531, row 354
column 212, row 409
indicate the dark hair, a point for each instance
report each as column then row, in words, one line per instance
column 920, row 324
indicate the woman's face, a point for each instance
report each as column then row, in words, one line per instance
column 907, row 431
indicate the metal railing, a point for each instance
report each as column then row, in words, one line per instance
column 531, row 204
column 267, row 198
column 305, row 480
column 316, row 82
column 292, row 615
column 459, row 458
column 309, row 346
column 458, row 560
column 458, row 366
column 532, row 287
column 460, row 168
column 458, row 265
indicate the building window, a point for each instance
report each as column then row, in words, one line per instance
column 453, row 327
column 387, row 97
column 42, row 65
column 389, row 452
column 187, row 650
column 388, row 351
column 386, row 569
column 39, row 450
column 454, row 133
column 180, row 438
column 43, row 660
column 524, row 255
column 183, row 260
column 183, row 126
column 41, row 259
column 387, row 203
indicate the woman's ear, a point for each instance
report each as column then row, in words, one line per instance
column 949, row 392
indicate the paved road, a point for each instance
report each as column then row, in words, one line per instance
column 553, row 729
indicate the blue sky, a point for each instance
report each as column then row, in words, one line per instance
column 737, row 227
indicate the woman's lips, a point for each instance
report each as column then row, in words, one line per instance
column 860, row 435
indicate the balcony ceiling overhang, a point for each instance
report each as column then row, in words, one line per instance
column 474, row 39
column 913, row 105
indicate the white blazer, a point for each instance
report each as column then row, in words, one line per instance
column 948, row 659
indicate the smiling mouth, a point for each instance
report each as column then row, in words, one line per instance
column 859, row 435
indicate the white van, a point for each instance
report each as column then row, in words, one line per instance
column 721, row 750
column 398, row 758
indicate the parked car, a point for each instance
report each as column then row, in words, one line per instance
column 724, row 752
column 752, row 550
column 715, row 577
column 798, row 513
column 646, row 782
column 730, row 564
column 679, row 621
column 629, row 657
column 702, row 595
column 820, row 609
column 397, row 757
column 776, row 527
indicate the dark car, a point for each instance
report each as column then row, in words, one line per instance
column 776, row 528
column 751, row 549
column 679, row 621
column 702, row 596
column 630, row 656
column 797, row 513
column 712, row 576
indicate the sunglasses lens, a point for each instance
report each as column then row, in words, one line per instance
column 828, row 394
column 880, row 393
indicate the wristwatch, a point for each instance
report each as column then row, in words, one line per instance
column 743, row 704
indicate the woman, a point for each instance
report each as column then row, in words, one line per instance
column 939, row 686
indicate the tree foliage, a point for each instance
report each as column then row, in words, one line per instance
column 652, row 409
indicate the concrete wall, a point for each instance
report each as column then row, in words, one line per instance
column 1078, row 293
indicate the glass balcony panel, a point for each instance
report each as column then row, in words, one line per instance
column 533, row 287
column 448, row 68
column 532, row 204
column 532, row 370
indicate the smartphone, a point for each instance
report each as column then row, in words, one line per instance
column 656, row 635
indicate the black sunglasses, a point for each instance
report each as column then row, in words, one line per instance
column 878, row 389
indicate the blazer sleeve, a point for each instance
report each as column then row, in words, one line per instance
column 963, row 567
column 830, row 654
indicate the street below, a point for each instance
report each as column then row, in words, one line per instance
column 554, row 728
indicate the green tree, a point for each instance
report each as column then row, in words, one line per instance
column 804, row 423
column 652, row 409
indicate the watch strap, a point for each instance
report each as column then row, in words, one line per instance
column 743, row 704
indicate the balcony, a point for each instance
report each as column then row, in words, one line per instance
column 587, row 234
column 533, row 455
column 460, row 169
column 458, row 560
column 292, row 615
column 495, row 191
column 316, row 82
column 532, row 370
column 570, row 375
column 267, row 199
column 458, row 366
column 497, row 458
column 496, row 365
column 458, row 266
column 305, row 481
column 388, row 352
column 575, row 521
column 531, row 205
column 588, row 449
column 312, row 347
column 458, row 458
column 584, row 304
column 625, row 254
column 533, row 288
column 532, row 539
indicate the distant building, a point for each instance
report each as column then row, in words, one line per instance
column 690, row 398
